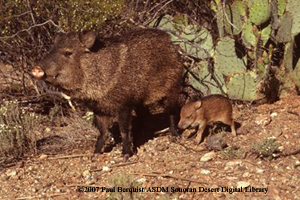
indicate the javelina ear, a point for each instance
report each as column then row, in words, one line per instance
column 88, row 39
column 198, row 104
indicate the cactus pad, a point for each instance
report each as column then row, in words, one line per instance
column 259, row 11
column 246, row 86
column 226, row 60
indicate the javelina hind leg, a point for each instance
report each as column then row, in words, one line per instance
column 200, row 131
column 233, row 131
column 102, row 123
column 124, row 120
column 230, row 122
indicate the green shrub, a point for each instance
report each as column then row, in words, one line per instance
column 124, row 181
column 17, row 129
column 231, row 153
column 266, row 148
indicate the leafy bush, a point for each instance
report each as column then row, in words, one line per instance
column 124, row 181
column 266, row 148
column 17, row 129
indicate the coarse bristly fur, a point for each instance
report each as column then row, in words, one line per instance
column 140, row 68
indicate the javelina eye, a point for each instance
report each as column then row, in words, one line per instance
column 68, row 53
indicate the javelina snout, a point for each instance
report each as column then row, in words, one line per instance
column 141, row 68
column 38, row 72
column 188, row 115
column 199, row 113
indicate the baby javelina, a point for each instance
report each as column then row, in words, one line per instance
column 209, row 109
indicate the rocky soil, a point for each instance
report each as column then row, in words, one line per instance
column 178, row 164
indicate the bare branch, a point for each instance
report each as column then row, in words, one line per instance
column 34, row 26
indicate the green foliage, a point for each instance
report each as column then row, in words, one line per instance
column 246, row 86
column 231, row 153
column 284, row 33
column 226, row 60
column 194, row 35
column 124, row 181
column 194, row 40
column 71, row 15
column 292, row 7
column 201, row 78
column 249, row 39
column 259, row 11
column 234, row 14
column 17, row 129
column 266, row 148
column 281, row 7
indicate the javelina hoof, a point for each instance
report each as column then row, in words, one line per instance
column 126, row 157
column 98, row 151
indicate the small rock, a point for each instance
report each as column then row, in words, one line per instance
column 208, row 156
column 11, row 173
column 280, row 148
column 274, row 114
column 87, row 174
column 233, row 163
column 262, row 120
column 246, row 174
column 242, row 184
column 205, row 171
column 297, row 164
column 43, row 156
column 47, row 130
column 141, row 180
column 106, row 169
column 259, row 171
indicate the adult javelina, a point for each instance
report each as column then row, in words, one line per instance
column 141, row 68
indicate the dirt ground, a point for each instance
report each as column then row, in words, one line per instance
column 172, row 164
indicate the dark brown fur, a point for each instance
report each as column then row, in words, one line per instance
column 199, row 113
column 138, row 69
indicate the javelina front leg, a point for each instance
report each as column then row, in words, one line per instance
column 102, row 123
column 124, row 120
column 173, row 126
column 200, row 131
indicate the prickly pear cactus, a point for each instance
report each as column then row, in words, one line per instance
column 284, row 33
column 241, row 6
column 293, row 8
column 200, row 77
column 259, row 11
column 246, row 86
column 226, row 60
column 248, row 37
column 194, row 40
column 265, row 34
column 234, row 16
column 295, row 75
column 281, row 4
